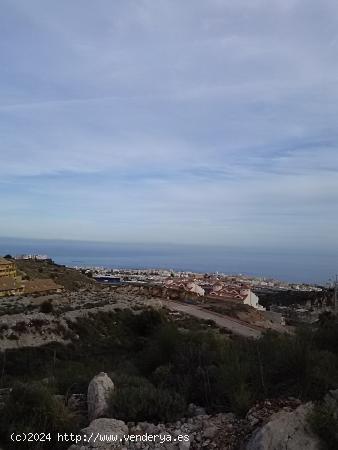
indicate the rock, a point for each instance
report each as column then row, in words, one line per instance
column 331, row 400
column 185, row 445
column 229, row 417
column 261, row 411
column 195, row 410
column 102, row 427
column 286, row 430
column 210, row 432
column 99, row 391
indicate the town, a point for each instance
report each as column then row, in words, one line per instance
column 276, row 303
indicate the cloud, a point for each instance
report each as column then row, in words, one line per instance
column 182, row 117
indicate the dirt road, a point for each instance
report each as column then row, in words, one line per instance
column 233, row 325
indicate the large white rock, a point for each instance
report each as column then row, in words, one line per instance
column 100, row 435
column 286, row 430
column 99, row 391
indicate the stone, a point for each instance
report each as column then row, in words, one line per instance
column 99, row 391
column 102, row 427
column 195, row 410
column 286, row 430
column 331, row 400
column 210, row 432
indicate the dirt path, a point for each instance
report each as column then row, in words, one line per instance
column 222, row 321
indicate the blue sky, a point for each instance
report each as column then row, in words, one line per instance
column 196, row 121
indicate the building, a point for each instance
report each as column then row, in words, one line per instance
column 7, row 268
column 236, row 293
column 33, row 257
column 187, row 284
column 10, row 283
column 215, row 289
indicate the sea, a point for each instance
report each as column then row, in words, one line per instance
column 285, row 265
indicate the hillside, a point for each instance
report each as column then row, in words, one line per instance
column 290, row 297
column 70, row 279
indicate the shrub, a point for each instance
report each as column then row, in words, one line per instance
column 47, row 307
column 123, row 380
column 324, row 422
column 326, row 336
column 13, row 337
column 20, row 327
column 160, row 349
column 145, row 323
column 146, row 403
column 74, row 377
column 241, row 399
column 32, row 408
column 3, row 327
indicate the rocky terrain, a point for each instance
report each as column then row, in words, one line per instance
column 23, row 324
column 269, row 425
column 23, row 321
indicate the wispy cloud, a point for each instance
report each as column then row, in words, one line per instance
column 197, row 121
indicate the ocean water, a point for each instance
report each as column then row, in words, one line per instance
column 293, row 266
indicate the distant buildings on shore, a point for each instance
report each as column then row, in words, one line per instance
column 159, row 276
column 33, row 257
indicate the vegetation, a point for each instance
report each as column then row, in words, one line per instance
column 31, row 408
column 292, row 297
column 70, row 279
column 160, row 366
column 46, row 307
column 324, row 422
column 135, row 402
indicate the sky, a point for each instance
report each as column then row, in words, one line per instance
column 196, row 121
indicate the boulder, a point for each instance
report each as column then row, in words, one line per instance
column 210, row 432
column 195, row 410
column 331, row 400
column 185, row 445
column 286, row 430
column 99, row 391
column 102, row 429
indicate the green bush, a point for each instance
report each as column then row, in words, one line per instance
column 151, row 358
column 146, row 322
column 47, row 307
column 32, row 408
column 241, row 399
column 146, row 403
column 324, row 422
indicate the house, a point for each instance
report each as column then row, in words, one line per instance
column 236, row 293
column 195, row 288
column 216, row 289
column 187, row 284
